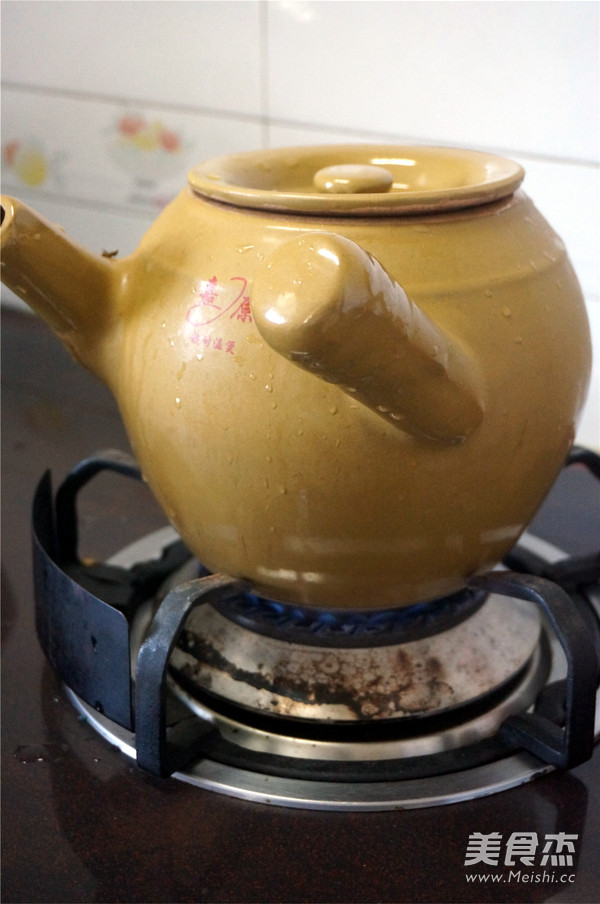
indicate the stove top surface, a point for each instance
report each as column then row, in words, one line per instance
column 82, row 823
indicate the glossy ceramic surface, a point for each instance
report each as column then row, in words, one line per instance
column 351, row 398
column 342, row 179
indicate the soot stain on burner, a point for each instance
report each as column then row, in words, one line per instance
column 412, row 688
column 206, row 655
column 328, row 679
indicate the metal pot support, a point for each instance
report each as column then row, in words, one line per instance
column 84, row 616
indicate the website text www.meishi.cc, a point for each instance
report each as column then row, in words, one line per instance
column 526, row 858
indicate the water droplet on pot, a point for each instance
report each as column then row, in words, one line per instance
column 506, row 311
column 177, row 402
column 269, row 388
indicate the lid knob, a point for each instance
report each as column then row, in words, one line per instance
column 352, row 178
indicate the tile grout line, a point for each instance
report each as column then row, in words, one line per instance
column 267, row 122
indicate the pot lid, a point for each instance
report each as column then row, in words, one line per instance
column 358, row 180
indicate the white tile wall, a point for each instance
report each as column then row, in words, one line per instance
column 513, row 75
column 189, row 54
column 106, row 105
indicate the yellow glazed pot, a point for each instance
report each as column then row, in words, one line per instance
column 349, row 374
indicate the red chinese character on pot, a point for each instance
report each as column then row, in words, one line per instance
column 208, row 293
column 207, row 307
column 243, row 312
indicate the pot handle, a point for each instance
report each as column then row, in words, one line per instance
column 328, row 306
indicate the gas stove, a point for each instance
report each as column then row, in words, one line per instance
column 82, row 822
column 193, row 675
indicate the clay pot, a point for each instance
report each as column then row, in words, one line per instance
column 349, row 374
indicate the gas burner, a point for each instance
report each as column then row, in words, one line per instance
column 349, row 627
column 446, row 674
column 196, row 677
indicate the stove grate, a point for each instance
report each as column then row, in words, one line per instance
column 87, row 638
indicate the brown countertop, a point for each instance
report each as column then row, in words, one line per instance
column 82, row 824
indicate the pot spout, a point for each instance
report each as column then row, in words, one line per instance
column 328, row 306
column 69, row 287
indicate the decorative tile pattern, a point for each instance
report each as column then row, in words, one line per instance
column 107, row 152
